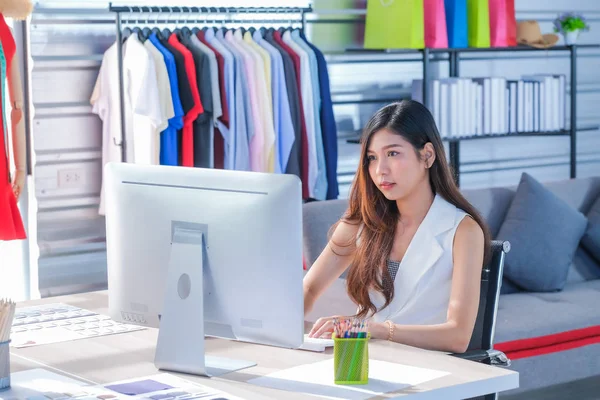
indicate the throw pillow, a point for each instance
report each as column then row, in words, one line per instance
column 591, row 239
column 508, row 287
column 544, row 233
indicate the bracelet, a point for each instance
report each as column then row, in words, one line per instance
column 391, row 327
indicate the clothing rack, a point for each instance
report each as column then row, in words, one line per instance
column 300, row 17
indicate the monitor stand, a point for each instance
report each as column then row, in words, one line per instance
column 180, row 346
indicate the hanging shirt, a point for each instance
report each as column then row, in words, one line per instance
column 202, row 126
column 209, row 94
column 168, row 140
column 309, row 111
column 265, row 94
column 241, row 99
column 165, row 97
column 295, row 156
column 214, row 78
column 282, row 118
column 218, row 87
column 327, row 124
column 320, row 188
column 187, row 141
column 253, row 119
column 304, row 139
column 224, row 144
column 145, row 114
column 106, row 104
column 185, row 91
column 263, row 77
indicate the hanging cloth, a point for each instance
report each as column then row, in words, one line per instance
column 11, row 223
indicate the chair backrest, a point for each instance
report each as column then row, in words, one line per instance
column 491, row 282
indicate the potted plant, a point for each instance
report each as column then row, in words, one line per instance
column 570, row 25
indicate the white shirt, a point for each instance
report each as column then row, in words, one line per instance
column 142, row 94
column 164, row 95
column 105, row 102
column 424, row 279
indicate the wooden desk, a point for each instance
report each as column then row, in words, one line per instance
column 123, row 356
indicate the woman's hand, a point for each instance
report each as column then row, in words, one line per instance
column 323, row 327
column 18, row 183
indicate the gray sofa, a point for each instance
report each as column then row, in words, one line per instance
column 558, row 332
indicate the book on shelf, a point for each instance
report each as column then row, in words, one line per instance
column 496, row 105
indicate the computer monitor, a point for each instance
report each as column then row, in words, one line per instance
column 252, row 271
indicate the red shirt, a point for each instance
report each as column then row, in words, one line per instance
column 304, row 144
column 187, row 141
column 219, row 142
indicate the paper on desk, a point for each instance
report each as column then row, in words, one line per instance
column 166, row 386
column 58, row 322
column 317, row 379
column 41, row 384
column 139, row 387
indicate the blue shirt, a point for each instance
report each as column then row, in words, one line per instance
column 327, row 124
column 320, row 189
column 243, row 132
column 168, row 138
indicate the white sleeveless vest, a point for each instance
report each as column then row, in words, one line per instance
column 424, row 279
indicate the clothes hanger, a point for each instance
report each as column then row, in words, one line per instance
column 214, row 22
column 196, row 29
column 166, row 32
column 126, row 33
column 186, row 31
column 137, row 30
column 146, row 31
column 177, row 29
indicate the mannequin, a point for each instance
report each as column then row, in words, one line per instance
column 11, row 224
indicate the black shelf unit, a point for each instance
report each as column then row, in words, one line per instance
column 454, row 71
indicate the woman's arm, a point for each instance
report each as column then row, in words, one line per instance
column 455, row 334
column 331, row 263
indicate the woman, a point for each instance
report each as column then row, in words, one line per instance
column 413, row 244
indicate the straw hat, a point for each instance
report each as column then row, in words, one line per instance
column 17, row 9
column 529, row 33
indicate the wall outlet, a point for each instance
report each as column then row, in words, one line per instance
column 68, row 178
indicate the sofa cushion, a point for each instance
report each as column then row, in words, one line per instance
column 591, row 239
column 544, row 232
column 584, row 267
column 526, row 315
column 508, row 287
column 492, row 204
column 318, row 217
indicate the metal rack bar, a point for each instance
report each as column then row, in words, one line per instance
column 212, row 10
column 573, row 104
column 123, row 143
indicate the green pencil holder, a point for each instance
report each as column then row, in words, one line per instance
column 351, row 360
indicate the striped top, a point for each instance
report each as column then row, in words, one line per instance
column 392, row 267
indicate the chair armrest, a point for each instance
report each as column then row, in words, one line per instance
column 490, row 357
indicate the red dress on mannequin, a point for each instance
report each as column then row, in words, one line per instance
column 11, row 224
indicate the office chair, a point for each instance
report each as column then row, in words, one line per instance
column 481, row 346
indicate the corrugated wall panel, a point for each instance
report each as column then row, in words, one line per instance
column 66, row 53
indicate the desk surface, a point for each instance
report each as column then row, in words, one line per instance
column 123, row 356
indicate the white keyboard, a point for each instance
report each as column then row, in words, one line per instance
column 316, row 344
